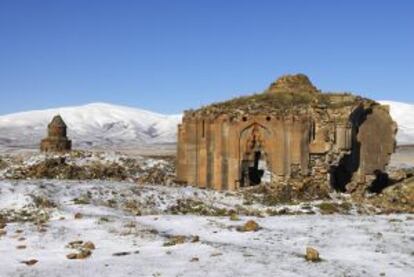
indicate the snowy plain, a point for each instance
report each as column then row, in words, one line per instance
column 129, row 245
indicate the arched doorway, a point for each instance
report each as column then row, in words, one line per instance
column 254, row 166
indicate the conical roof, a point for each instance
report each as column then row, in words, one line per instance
column 57, row 121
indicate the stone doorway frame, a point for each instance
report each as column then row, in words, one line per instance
column 253, row 138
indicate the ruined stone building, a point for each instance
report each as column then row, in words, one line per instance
column 290, row 131
column 57, row 140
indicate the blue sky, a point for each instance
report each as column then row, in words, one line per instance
column 168, row 56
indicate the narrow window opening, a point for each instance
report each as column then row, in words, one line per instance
column 203, row 129
column 312, row 132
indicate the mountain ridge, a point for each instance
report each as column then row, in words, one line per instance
column 91, row 125
column 403, row 114
column 106, row 125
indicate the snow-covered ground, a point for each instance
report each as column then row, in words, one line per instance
column 130, row 245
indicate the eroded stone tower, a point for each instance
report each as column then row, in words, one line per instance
column 290, row 131
column 56, row 140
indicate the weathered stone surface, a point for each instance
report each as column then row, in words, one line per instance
column 82, row 254
column 292, row 83
column 396, row 198
column 88, row 245
column 78, row 216
column 312, row 255
column 174, row 240
column 71, row 256
column 249, row 226
column 30, row 262
column 56, row 140
column 291, row 136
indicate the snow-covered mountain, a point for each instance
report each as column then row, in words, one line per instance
column 403, row 114
column 92, row 125
column 106, row 125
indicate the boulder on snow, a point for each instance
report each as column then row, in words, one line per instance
column 312, row 254
column 249, row 226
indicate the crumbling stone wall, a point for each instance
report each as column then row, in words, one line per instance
column 291, row 132
column 56, row 140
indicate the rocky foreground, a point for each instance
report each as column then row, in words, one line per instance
column 108, row 214
column 104, row 228
column 160, row 170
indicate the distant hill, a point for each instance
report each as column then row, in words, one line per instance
column 92, row 125
column 105, row 125
column 403, row 114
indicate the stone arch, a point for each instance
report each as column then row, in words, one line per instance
column 254, row 154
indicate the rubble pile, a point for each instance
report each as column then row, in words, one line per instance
column 58, row 168
column 83, row 165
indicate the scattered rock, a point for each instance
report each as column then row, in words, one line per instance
column 3, row 232
column 82, row 254
column 249, row 226
column 174, row 240
column 396, row 198
column 312, row 255
column 78, row 216
column 30, row 262
column 88, row 245
column 195, row 239
column 297, row 190
column 133, row 207
column 60, row 168
column 192, row 206
column 21, row 246
column 119, row 254
column 71, row 256
column 195, row 259
column 158, row 174
column 75, row 244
